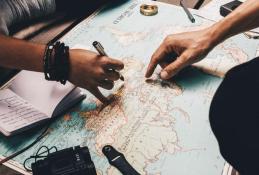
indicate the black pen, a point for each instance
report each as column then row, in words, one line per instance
column 187, row 12
column 101, row 51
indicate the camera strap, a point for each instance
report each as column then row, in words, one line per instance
column 118, row 160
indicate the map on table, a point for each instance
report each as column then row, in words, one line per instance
column 161, row 127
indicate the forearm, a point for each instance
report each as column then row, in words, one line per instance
column 244, row 18
column 18, row 54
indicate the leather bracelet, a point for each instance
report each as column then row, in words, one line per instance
column 46, row 61
column 56, row 66
column 62, row 59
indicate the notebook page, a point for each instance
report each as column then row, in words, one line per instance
column 16, row 113
column 44, row 95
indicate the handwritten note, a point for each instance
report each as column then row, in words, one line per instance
column 16, row 113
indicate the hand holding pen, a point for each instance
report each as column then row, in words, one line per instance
column 90, row 71
column 101, row 51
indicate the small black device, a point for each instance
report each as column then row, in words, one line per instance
column 229, row 7
column 70, row 161
column 118, row 160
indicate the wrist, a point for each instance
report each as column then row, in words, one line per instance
column 56, row 62
column 72, row 66
column 215, row 36
column 220, row 31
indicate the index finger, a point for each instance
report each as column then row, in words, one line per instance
column 96, row 92
column 159, row 54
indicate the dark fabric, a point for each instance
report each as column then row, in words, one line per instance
column 15, row 12
column 78, row 7
column 18, row 11
column 234, row 117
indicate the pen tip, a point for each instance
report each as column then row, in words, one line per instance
column 95, row 43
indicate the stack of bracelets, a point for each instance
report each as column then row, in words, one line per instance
column 56, row 62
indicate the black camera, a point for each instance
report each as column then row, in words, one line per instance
column 70, row 161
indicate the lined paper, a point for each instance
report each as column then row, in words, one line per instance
column 16, row 113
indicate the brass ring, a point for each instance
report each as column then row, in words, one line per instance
column 148, row 10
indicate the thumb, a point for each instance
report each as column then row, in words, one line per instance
column 173, row 68
column 96, row 92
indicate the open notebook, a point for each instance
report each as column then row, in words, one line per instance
column 31, row 100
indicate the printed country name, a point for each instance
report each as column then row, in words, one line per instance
column 126, row 13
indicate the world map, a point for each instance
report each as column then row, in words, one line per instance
column 161, row 127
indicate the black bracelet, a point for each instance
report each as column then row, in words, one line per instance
column 56, row 66
column 46, row 61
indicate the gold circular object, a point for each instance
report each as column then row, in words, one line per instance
column 148, row 10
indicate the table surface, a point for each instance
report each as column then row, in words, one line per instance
column 49, row 33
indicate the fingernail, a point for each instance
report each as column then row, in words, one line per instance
column 147, row 75
column 164, row 75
